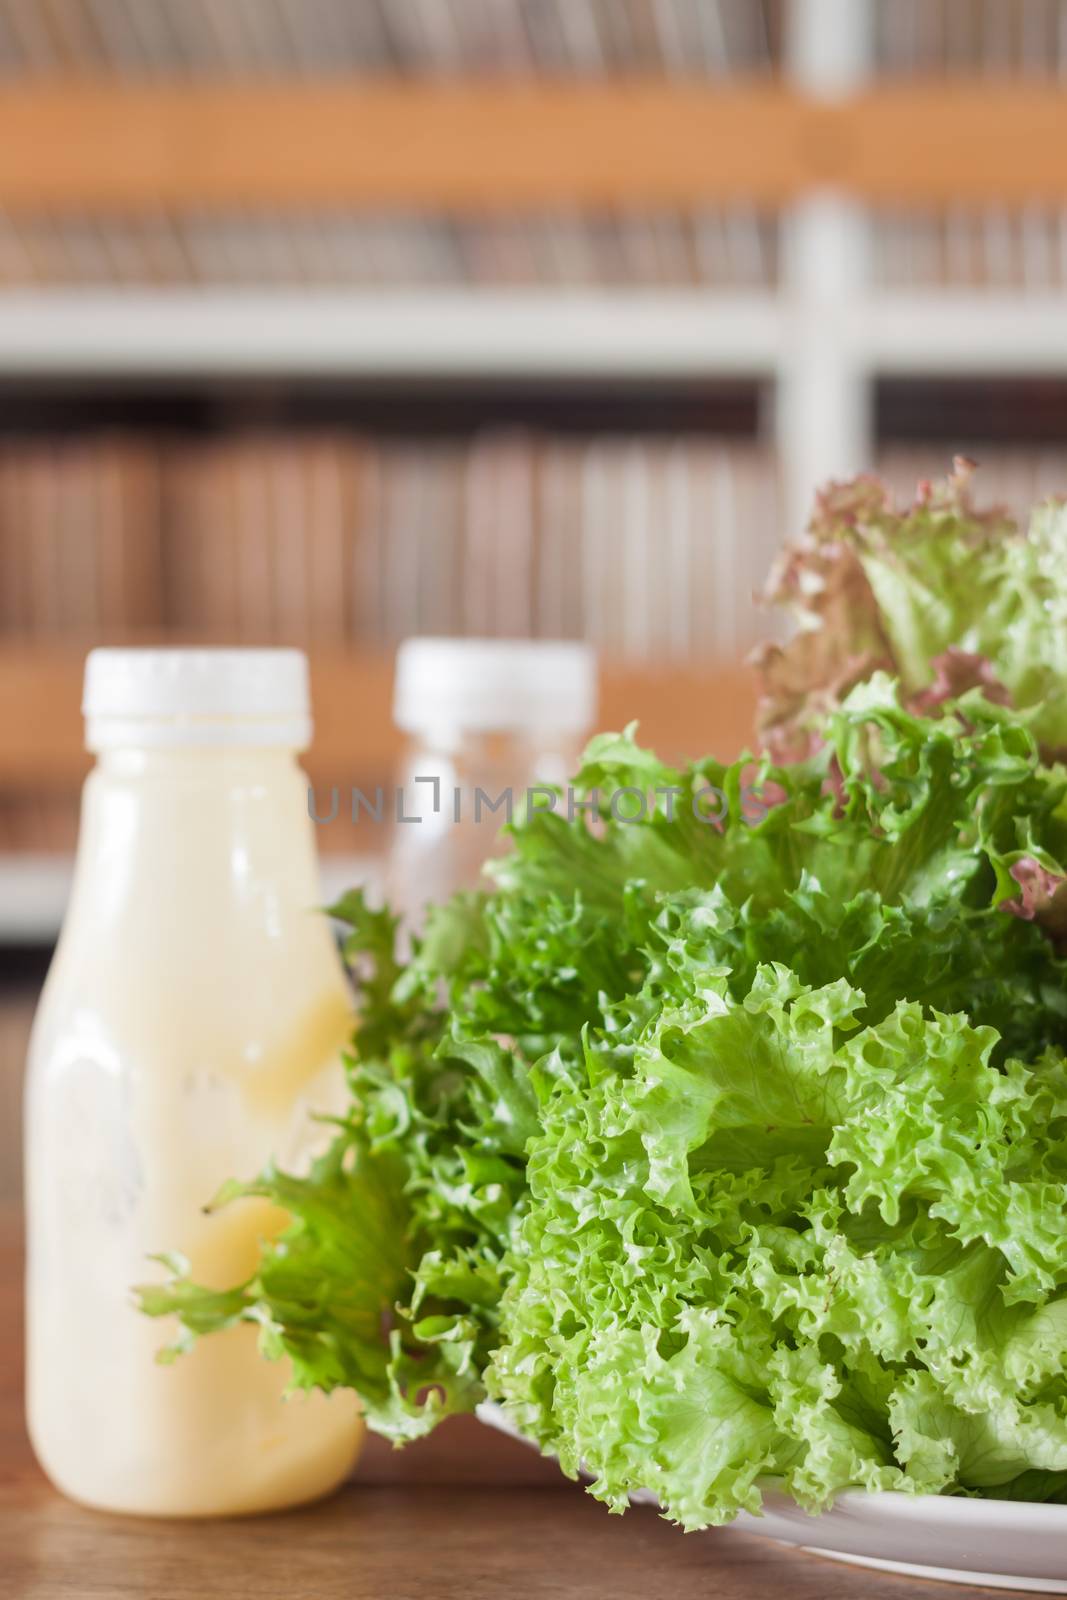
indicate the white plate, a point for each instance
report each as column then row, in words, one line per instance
column 1004, row 1544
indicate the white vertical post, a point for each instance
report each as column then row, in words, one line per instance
column 829, row 45
column 824, row 412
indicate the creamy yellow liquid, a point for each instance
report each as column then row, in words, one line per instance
column 193, row 1016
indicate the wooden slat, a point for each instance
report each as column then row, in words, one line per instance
column 937, row 143
column 40, row 718
column 682, row 711
column 687, row 710
column 439, row 145
column 520, row 146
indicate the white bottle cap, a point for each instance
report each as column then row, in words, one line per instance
column 495, row 685
column 196, row 697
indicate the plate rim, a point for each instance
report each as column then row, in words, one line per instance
column 893, row 1502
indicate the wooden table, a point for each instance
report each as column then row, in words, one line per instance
column 467, row 1515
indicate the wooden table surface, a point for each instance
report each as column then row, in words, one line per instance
column 467, row 1515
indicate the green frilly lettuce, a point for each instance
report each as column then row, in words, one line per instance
column 730, row 1143
column 764, row 1239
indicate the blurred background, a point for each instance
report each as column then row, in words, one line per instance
column 331, row 322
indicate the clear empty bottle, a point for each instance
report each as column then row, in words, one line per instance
column 487, row 721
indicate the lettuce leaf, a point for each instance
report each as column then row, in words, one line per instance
column 766, row 1240
column 942, row 596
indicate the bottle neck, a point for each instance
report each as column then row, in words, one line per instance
column 203, row 825
column 182, row 763
column 522, row 754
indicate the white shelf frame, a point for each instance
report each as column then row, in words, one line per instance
column 932, row 333
column 34, row 890
column 391, row 333
column 824, row 410
column 533, row 333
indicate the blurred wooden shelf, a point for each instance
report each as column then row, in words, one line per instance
column 682, row 710
column 527, row 144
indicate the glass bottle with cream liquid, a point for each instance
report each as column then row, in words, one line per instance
column 193, row 1017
